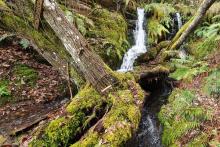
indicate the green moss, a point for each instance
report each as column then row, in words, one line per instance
column 120, row 122
column 60, row 131
column 91, row 140
column 180, row 115
column 211, row 84
column 85, row 100
column 2, row 4
column 118, row 134
column 5, row 93
column 25, row 74
column 44, row 38
column 110, row 32
column 2, row 139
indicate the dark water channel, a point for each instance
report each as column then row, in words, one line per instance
column 150, row 129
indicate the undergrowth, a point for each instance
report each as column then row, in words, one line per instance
column 180, row 116
column 159, row 21
column 188, row 68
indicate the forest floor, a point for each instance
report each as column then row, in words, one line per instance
column 31, row 90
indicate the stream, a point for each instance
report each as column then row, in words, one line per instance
column 150, row 130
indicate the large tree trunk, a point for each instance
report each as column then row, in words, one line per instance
column 85, row 61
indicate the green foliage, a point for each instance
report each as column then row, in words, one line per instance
column 180, row 116
column 110, row 33
column 209, row 30
column 25, row 74
column 160, row 20
column 201, row 141
column 205, row 48
column 24, row 43
column 187, row 69
column 211, row 84
column 5, row 93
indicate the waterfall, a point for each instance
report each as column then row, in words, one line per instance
column 179, row 20
column 182, row 52
column 139, row 47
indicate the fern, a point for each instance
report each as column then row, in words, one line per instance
column 179, row 116
column 210, row 30
column 200, row 141
column 211, row 84
column 178, row 129
column 187, row 68
column 24, row 43
column 160, row 20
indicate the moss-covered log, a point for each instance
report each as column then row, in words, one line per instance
column 96, row 120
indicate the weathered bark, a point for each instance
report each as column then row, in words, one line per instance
column 85, row 61
column 192, row 24
column 38, row 12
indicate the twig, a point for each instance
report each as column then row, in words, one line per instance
column 68, row 80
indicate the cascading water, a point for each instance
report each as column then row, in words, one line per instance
column 182, row 52
column 139, row 47
column 179, row 20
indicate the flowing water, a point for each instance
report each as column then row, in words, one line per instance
column 179, row 21
column 139, row 47
column 182, row 52
column 150, row 130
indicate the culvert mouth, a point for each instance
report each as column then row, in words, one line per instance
column 151, row 82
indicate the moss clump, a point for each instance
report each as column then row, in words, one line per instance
column 85, row 100
column 211, row 84
column 180, row 116
column 122, row 119
column 5, row 93
column 61, row 131
column 110, row 32
column 25, row 74
column 2, row 139
column 91, row 140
